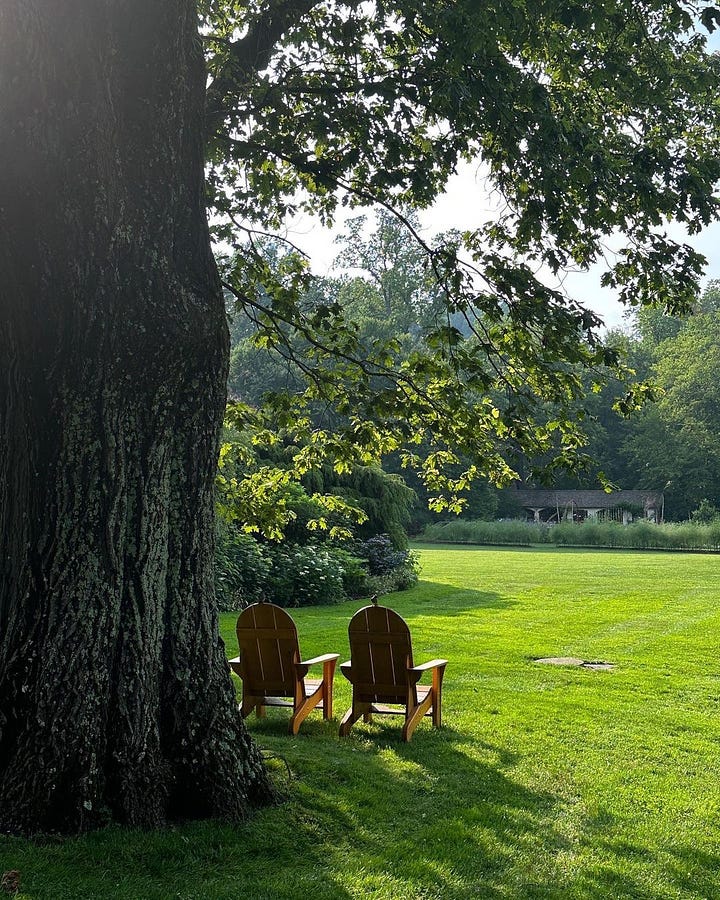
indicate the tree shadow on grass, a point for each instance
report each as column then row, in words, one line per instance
column 367, row 815
column 434, row 598
column 695, row 871
column 445, row 822
column 687, row 871
column 446, row 600
column 444, row 817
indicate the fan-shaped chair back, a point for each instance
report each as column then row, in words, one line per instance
column 268, row 643
column 381, row 653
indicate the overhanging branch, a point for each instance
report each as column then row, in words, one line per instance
column 252, row 53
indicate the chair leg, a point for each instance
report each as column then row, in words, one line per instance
column 437, row 709
column 351, row 716
column 301, row 711
column 437, row 680
column 414, row 716
column 327, row 688
column 247, row 705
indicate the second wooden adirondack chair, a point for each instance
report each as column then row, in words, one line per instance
column 381, row 672
column 271, row 670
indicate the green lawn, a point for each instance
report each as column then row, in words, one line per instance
column 544, row 782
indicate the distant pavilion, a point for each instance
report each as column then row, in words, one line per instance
column 580, row 505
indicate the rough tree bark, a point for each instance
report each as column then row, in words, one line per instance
column 115, row 703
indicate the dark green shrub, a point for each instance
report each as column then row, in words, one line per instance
column 355, row 575
column 389, row 569
column 381, row 555
column 406, row 575
column 248, row 571
column 401, row 579
column 241, row 568
column 706, row 513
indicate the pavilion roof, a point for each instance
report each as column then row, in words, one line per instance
column 536, row 498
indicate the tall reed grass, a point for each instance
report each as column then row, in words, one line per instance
column 636, row 536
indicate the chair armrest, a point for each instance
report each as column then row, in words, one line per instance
column 436, row 666
column 346, row 669
column 433, row 664
column 235, row 665
column 326, row 657
column 328, row 660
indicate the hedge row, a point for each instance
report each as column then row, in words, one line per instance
column 248, row 571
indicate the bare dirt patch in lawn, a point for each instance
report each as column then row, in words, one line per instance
column 598, row 665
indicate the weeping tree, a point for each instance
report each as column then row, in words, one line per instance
column 121, row 125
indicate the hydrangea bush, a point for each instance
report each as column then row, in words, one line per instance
column 304, row 576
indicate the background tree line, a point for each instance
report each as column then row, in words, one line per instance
column 673, row 443
column 670, row 443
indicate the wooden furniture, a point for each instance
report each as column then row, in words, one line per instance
column 381, row 672
column 271, row 670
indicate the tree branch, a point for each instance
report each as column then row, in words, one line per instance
column 252, row 53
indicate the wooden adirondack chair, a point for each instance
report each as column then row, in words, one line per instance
column 271, row 670
column 381, row 671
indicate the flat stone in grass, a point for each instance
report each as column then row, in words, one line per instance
column 574, row 661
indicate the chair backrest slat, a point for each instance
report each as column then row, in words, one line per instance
column 268, row 643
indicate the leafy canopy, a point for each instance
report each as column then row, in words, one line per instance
column 591, row 119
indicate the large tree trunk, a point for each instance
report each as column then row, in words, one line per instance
column 115, row 702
